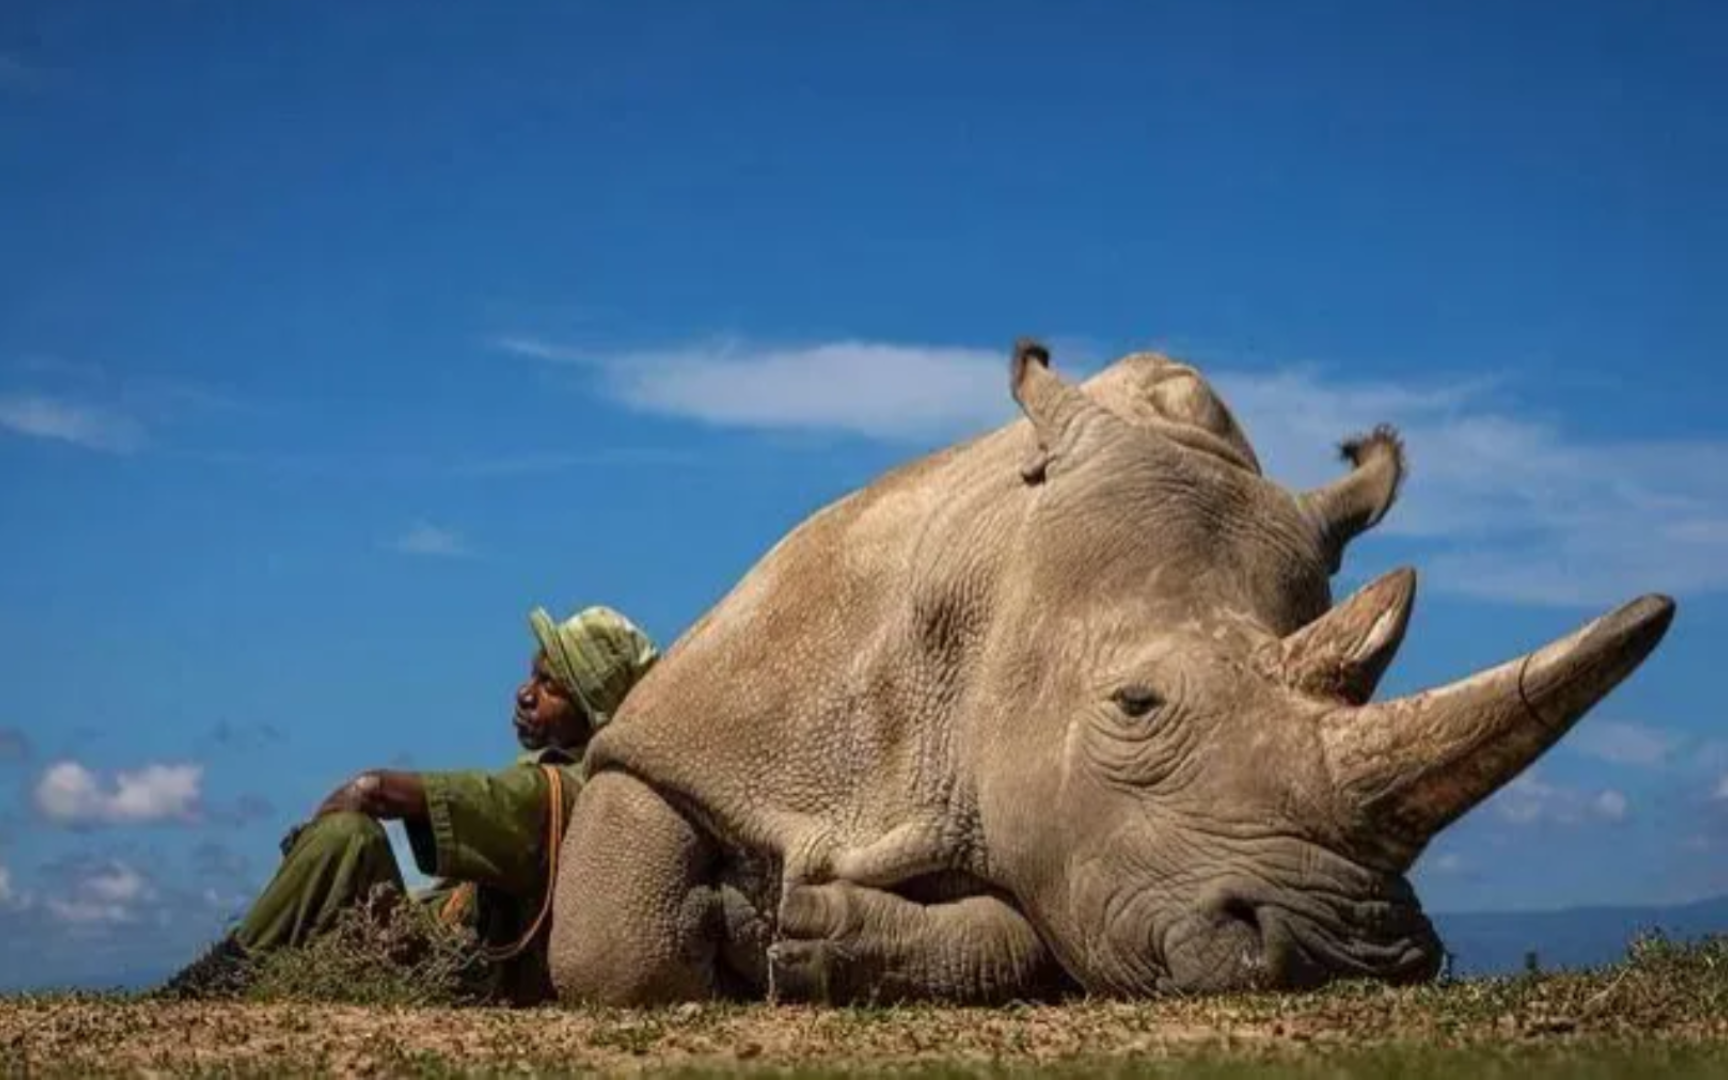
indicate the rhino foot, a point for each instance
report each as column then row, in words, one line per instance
column 846, row 943
column 808, row 971
column 822, row 954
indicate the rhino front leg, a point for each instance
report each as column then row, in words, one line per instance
column 633, row 922
column 843, row 942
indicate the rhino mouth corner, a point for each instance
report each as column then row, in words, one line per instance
column 1309, row 954
column 1249, row 935
column 1270, row 947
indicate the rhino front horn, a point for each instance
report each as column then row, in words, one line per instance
column 1414, row 765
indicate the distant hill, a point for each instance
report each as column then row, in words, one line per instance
column 1494, row 942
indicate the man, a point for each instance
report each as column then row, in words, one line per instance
column 491, row 837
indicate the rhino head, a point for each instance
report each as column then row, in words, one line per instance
column 1188, row 785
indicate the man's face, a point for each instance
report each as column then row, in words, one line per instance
column 545, row 715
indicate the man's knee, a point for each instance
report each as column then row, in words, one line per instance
column 342, row 832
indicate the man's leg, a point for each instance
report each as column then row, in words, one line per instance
column 335, row 862
column 634, row 920
column 846, row 943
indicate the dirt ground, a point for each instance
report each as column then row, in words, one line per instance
column 1570, row 1020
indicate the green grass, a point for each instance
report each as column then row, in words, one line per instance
column 1662, row 1011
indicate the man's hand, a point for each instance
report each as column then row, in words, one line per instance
column 378, row 794
column 352, row 796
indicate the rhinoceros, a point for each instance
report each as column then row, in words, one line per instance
column 1064, row 708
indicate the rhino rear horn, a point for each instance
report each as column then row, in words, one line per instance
column 1354, row 503
column 1343, row 654
column 1415, row 764
column 1057, row 410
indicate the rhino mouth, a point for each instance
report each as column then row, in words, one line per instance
column 1255, row 939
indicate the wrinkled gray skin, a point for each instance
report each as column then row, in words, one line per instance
column 1066, row 707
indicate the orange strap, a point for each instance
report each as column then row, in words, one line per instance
column 456, row 902
column 554, row 841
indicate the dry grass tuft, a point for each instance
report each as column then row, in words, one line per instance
column 383, row 952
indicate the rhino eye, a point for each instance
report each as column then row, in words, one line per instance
column 1137, row 700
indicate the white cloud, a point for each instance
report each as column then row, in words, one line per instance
column 89, row 912
column 424, row 538
column 1721, row 792
column 1610, row 805
column 117, row 884
column 89, row 426
column 876, row 390
column 1517, row 509
column 106, row 895
column 12, row 898
column 1449, row 862
column 70, row 794
column 539, row 349
column 1529, row 800
column 1506, row 506
column 1625, row 744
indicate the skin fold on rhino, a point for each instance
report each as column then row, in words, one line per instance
column 1066, row 707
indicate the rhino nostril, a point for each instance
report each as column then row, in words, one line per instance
column 1238, row 926
column 1241, row 911
column 1232, row 914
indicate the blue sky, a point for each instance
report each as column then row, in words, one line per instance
column 335, row 336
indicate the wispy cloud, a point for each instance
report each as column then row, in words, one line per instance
column 540, row 349
column 89, row 405
column 1445, row 862
column 6, row 891
column 93, row 427
column 1610, row 805
column 1514, row 508
column 106, row 895
column 875, row 390
column 1621, row 743
column 424, row 538
column 1505, row 506
column 1530, row 800
column 69, row 794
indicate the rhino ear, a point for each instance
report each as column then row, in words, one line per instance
column 1349, row 506
column 1057, row 410
column 1343, row 653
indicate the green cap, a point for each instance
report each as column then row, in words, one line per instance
column 597, row 655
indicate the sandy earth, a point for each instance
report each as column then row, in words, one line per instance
column 81, row 1036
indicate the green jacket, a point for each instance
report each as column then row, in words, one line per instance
column 490, row 830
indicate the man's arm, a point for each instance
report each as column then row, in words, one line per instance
column 380, row 793
column 480, row 826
